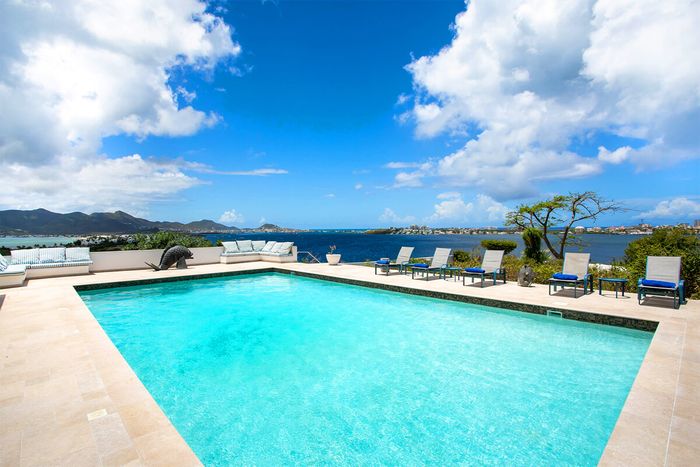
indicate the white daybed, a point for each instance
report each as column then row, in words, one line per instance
column 241, row 251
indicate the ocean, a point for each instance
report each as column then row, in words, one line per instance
column 355, row 246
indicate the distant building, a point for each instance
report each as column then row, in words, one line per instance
column 696, row 224
column 579, row 229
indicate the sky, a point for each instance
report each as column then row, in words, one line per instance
column 340, row 114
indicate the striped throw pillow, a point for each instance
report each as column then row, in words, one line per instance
column 3, row 263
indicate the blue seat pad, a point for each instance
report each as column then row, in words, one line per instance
column 419, row 265
column 565, row 277
column 382, row 261
column 664, row 284
column 479, row 270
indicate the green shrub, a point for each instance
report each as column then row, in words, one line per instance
column 666, row 242
column 162, row 240
column 461, row 256
column 506, row 245
column 532, row 238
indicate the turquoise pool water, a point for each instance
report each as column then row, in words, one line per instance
column 273, row 369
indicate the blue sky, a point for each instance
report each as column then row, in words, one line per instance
column 359, row 114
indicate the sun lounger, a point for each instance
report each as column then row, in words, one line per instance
column 662, row 278
column 401, row 261
column 441, row 259
column 490, row 266
column 574, row 272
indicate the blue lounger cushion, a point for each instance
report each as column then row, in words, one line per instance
column 565, row 277
column 419, row 265
column 382, row 261
column 653, row 283
column 479, row 270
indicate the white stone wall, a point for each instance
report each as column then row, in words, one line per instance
column 136, row 259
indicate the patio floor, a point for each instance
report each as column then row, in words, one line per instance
column 68, row 397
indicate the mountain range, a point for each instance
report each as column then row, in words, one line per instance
column 43, row 222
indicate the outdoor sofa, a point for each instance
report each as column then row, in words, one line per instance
column 401, row 262
column 50, row 262
column 241, row 251
column 490, row 266
column 574, row 273
column 11, row 275
column 662, row 278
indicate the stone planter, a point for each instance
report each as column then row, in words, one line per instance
column 333, row 259
column 526, row 276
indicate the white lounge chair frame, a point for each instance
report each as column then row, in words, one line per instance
column 575, row 264
column 401, row 262
column 442, row 258
column 491, row 264
column 666, row 269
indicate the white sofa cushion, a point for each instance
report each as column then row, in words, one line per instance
column 269, row 246
column 77, row 254
column 285, row 248
column 3, row 263
column 52, row 255
column 230, row 247
column 25, row 256
column 276, row 248
column 245, row 246
column 258, row 245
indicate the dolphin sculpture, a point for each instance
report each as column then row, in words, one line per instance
column 174, row 255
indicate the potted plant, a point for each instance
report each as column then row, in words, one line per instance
column 332, row 257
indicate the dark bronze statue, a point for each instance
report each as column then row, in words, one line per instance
column 174, row 255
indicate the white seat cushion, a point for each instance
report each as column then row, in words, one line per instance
column 245, row 245
column 277, row 247
column 268, row 246
column 258, row 245
column 25, row 256
column 241, row 253
column 230, row 247
column 14, row 270
column 3, row 263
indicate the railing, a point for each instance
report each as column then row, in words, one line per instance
column 308, row 255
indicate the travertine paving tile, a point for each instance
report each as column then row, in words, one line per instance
column 67, row 397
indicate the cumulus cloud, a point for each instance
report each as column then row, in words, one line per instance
column 679, row 208
column 523, row 78
column 390, row 217
column 359, row 186
column 413, row 178
column 453, row 208
column 75, row 72
column 231, row 217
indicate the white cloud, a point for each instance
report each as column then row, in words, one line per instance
column 231, row 217
column 617, row 156
column 680, row 208
column 359, row 186
column 98, row 183
column 531, row 75
column 402, row 99
column 390, row 217
column 402, row 165
column 76, row 72
column 329, row 195
column 453, row 208
column 412, row 179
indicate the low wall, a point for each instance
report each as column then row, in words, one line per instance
column 136, row 259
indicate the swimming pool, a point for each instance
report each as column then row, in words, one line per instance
column 277, row 369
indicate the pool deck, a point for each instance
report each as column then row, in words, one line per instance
column 67, row 397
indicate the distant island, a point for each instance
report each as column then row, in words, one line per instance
column 43, row 222
column 640, row 229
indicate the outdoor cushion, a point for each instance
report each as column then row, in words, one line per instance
column 77, row 254
column 382, row 261
column 565, row 277
column 664, row 284
column 245, row 245
column 269, row 245
column 14, row 269
column 479, row 270
column 25, row 256
column 52, row 255
column 419, row 265
column 3, row 263
column 277, row 247
column 284, row 248
column 258, row 245
column 230, row 247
